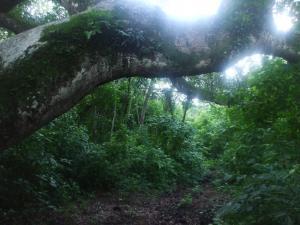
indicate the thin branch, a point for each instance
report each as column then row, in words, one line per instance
column 193, row 92
column 7, row 5
column 12, row 24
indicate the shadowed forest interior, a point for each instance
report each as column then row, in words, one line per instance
column 218, row 148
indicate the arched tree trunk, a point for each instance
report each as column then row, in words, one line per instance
column 47, row 70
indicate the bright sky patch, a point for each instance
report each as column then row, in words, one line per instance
column 188, row 9
column 244, row 66
column 283, row 22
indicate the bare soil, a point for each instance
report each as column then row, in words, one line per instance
column 195, row 206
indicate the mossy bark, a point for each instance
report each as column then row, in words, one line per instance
column 47, row 70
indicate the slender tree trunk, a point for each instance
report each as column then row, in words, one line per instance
column 169, row 102
column 129, row 100
column 186, row 107
column 148, row 94
column 137, row 114
column 95, row 117
column 114, row 118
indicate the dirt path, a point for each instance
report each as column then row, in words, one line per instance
column 195, row 206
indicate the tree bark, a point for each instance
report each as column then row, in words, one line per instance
column 186, row 106
column 74, row 7
column 12, row 24
column 148, row 94
column 47, row 70
column 94, row 124
column 169, row 102
column 113, row 121
column 129, row 101
column 192, row 92
column 7, row 5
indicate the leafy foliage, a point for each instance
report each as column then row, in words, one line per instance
column 38, row 12
column 102, row 145
column 61, row 161
column 272, row 197
column 259, row 159
column 4, row 34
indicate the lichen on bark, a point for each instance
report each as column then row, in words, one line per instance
column 45, row 71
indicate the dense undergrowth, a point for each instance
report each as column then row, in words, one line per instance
column 257, row 142
column 139, row 142
column 131, row 137
column 84, row 152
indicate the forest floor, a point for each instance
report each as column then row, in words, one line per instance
column 193, row 206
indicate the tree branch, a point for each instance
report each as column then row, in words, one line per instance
column 47, row 70
column 12, row 24
column 7, row 5
column 193, row 92
column 73, row 7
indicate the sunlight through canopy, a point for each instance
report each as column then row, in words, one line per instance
column 282, row 16
column 188, row 9
column 283, row 22
column 244, row 66
column 191, row 10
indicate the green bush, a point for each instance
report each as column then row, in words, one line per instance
column 36, row 174
column 59, row 162
column 271, row 198
column 136, row 160
column 255, row 143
